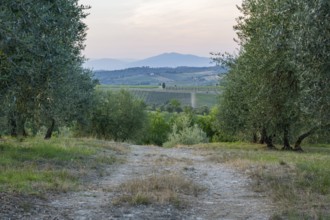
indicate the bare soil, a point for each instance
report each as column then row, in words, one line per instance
column 227, row 193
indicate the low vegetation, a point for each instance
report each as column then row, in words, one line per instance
column 161, row 189
column 298, row 183
column 35, row 166
column 184, row 131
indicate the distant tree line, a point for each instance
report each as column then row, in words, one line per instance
column 159, row 70
column 277, row 88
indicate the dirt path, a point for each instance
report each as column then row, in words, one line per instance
column 228, row 194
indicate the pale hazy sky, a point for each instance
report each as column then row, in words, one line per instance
column 143, row 28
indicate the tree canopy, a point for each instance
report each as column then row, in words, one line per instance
column 42, row 79
column 115, row 116
column 278, row 85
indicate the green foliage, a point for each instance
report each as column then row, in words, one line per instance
column 213, row 128
column 158, row 129
column 117, row 116
column 42, row 80
column 186, row 128
column 174, row 105
column 276, row 86
column 184, row 131
column 207, row 122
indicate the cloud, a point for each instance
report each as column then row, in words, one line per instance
column 173, row 18
column 170, row 13
column 148, row 26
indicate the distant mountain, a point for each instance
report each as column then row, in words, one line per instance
column 163, row 60
column 106, row 64
column 173, row 60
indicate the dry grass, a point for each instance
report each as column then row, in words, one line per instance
column 299, row 184
column 157, row 189
column 169, row 161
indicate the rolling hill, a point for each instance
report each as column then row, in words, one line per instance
column 105, row 64
column 173, row 60
column 163, row 60
column 180, row 76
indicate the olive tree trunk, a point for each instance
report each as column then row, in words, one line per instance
column 286, row 140
column 50, row 130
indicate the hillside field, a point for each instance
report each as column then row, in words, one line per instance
column 153, row 95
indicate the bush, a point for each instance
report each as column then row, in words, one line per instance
column 158, row 129
column 185, row 132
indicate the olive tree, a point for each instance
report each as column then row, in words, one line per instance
column 41, row 41
column 117, row 116
column 278, row 83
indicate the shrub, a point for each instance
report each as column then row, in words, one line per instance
column 185, row 132
column 158, row 129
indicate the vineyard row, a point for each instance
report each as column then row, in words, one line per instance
column 160, row 98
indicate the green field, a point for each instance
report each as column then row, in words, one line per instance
column 160, row 97
column 206, row 99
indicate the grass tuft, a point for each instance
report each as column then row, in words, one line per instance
column 157, row 189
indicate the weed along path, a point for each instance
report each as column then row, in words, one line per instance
column 159, row 183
